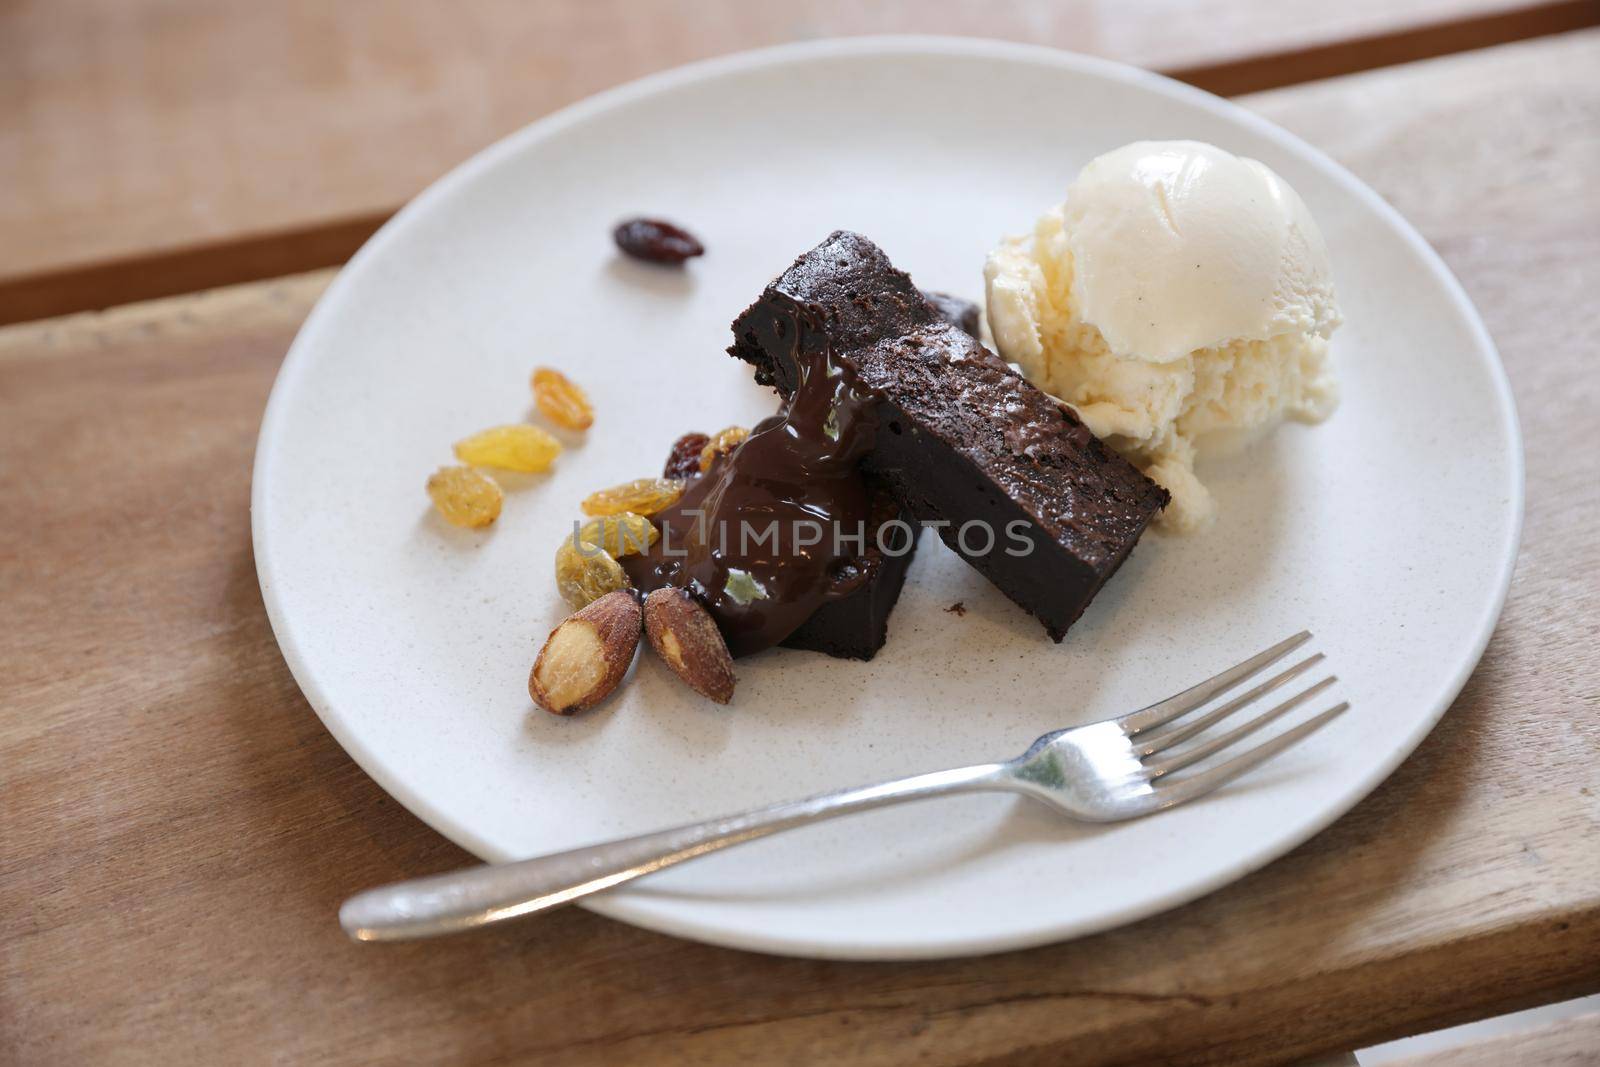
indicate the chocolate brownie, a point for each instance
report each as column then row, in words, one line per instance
column 856, row 625
column 800, row 466
column 960, row 438
column 962, row 314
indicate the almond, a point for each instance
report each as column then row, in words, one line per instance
column 684, row 635
column 585, row 657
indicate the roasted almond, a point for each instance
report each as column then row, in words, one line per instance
column 585, row 657
column 683, row 634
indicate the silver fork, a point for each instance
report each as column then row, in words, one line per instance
column 1103, row 772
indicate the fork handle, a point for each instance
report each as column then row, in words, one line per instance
column 478, row 896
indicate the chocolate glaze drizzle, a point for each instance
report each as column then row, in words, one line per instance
column 796, row 475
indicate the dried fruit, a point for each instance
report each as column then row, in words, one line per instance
column 620, row 535
column 725, row 441
column 684, row 459
column 560, row 400
column 585, row 657
column 513, row 448
column 465, row 497
column 645, row 496
column 656, row 241
column 585, row 572
column 683, row 633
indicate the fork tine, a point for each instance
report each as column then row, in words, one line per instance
column 1199, row 785
column 1217, row 744
column 1187, row 730
column 1191, row 698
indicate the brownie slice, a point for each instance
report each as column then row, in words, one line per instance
column 856, row 625
column 962, row 314
column 962, row 439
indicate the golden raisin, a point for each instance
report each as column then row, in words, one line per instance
column 622, row 534
column 646, row 496
column 513, row 448
column 722, row 444
column 586, row 572
column 560, row 400
column 465, row 497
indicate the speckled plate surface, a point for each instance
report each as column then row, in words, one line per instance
column 1390, row 531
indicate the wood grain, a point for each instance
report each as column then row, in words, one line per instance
column 151, row 147
column 177, row 829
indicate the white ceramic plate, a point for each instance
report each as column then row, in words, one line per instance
column 1390, row 531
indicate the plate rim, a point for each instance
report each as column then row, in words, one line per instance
column 799, row 53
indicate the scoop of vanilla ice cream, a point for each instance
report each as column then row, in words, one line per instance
column 1180, row 299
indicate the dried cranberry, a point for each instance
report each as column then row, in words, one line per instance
column 656, row 241
column 684, row 459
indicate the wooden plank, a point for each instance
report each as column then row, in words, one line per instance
column 1568, row 1043
column 158, row 146
column 177, row 829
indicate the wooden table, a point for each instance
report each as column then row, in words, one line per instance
column 1567, row 1043
column 177, row 829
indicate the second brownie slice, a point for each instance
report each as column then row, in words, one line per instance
column 1025, row 492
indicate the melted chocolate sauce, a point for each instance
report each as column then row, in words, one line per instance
column 754, row 537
